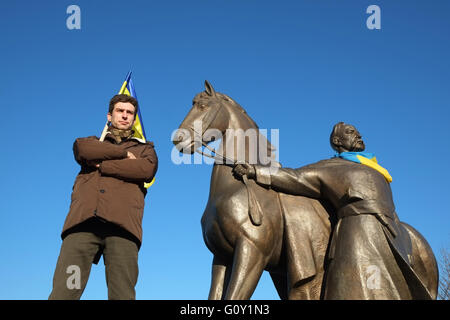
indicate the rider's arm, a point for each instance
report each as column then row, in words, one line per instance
column 302, row 181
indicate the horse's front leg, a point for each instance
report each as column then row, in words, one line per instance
column 219, row 279
column 248, row 265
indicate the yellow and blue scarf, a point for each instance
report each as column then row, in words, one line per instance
column 367, row 159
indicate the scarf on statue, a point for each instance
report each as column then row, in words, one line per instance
column 120, row 135
column 365, row 158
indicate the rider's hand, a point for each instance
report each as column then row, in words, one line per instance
column 244, row 169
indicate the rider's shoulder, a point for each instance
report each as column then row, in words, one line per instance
column 324, row 163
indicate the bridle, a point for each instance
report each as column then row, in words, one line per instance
column 207, row 119
column 254, row 208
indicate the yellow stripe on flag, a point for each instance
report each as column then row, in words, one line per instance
column 137, row 127
column 123, row 88
column 148, row 185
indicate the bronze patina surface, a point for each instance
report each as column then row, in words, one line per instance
column 328, row 230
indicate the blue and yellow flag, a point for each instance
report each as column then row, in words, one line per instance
column 138, row 126
column 367, row 159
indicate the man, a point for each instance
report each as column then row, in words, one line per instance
column 370, row 251
column 105, row 216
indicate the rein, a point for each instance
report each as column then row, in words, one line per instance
column 217, row 156
column 254, row 208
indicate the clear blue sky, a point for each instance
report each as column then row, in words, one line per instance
column 297, row 66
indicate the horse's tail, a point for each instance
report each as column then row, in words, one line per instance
column 424, row 261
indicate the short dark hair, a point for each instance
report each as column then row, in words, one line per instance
column 336, row 130
column 123, row 98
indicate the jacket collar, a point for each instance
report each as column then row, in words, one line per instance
column 111, row 139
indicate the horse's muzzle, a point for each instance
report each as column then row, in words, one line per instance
column 182, row 139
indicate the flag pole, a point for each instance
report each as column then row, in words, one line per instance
column 121, row 91
column 105, row 130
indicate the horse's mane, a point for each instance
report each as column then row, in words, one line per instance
column 237, row 106
column 204, row 95
column 223, row 96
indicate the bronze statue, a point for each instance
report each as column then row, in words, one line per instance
column 249, row 228
column 283, row 222
column 373, row 255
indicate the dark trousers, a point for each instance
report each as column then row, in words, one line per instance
column 84, row 246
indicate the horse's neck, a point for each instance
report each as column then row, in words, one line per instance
column 243, row 141
column 255, row 149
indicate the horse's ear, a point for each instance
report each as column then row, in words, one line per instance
column 209, row 88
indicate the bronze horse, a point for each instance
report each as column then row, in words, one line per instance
column 250, row 229
column 292, row 237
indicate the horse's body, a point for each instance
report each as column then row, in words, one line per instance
column 243, row 250
column 292, row 239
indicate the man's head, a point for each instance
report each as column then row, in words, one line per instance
column 344, row 137
column 122, row 111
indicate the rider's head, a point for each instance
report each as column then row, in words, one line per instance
column 344, row 137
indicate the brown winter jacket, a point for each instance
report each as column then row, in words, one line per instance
column 115, row 191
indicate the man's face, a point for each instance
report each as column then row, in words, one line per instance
column 122, row 116
column 350, row 139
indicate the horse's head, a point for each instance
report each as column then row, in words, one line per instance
column 208, row 112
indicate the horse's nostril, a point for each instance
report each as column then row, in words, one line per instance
column 178, row 136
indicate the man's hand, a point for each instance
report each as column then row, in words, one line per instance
column 244, row 169
column 93, row 163
column 96, row 163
